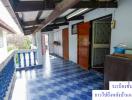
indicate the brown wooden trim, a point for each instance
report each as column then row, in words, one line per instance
column 78, row 41
column 84, row 46
column 65, row 38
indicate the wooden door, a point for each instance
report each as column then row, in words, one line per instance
column 65, row 37
column 83, row 44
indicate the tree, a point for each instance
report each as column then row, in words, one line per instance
column 15, row 41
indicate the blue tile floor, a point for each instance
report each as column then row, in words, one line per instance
column 57, row 80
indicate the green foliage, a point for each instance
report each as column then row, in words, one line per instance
column 26, row 44
column 11, row 47
column 22, row 42
column 16, row 59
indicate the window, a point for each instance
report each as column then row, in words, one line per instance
column 74, row 29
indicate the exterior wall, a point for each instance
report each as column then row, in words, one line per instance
column 3, row 47
column 122, row 15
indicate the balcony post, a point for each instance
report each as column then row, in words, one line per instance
column 29, row 55
column 24, row 57
column 19, row 59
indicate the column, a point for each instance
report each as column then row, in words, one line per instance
column 39, row 48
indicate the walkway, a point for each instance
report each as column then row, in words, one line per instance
column 58, row 80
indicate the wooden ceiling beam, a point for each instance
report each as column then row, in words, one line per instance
column 29, row 30
column 45, row 4
column 32, row 23
column 58, row 20
column 39, row 15
column 33, row 6
column 49, row 28
column 59, row 24
column 22, row 6
column 59, row 9
column 96, row 4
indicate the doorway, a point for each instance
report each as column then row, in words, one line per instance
column 101, row 39
column 65, row 38
column 83, row 30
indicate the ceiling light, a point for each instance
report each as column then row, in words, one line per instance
column 77, row 13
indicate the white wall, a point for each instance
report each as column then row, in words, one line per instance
column 51, row 39
column 57, row 34
column 122, row 15
column 73, row 42
column 58, row 37
column 123, row 31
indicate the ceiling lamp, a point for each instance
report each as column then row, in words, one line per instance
column 78, row 12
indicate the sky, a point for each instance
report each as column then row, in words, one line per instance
column 7, row 18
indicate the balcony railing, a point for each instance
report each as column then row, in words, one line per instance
column 7, row 70
column 15, row 61
column 26, row 59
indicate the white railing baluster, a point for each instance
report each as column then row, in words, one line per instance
column 28, row 58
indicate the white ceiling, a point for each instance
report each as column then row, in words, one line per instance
column 45, row 14
column 30, row 16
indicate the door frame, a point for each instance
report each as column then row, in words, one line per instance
column 99, row 18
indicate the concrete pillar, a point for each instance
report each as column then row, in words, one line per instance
column 43, row 49
column 39, row 47
column 33, row 40
column 51, row 39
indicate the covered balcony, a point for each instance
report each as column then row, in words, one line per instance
column 77, row 46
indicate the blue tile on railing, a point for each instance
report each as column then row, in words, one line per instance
column 5, row 77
